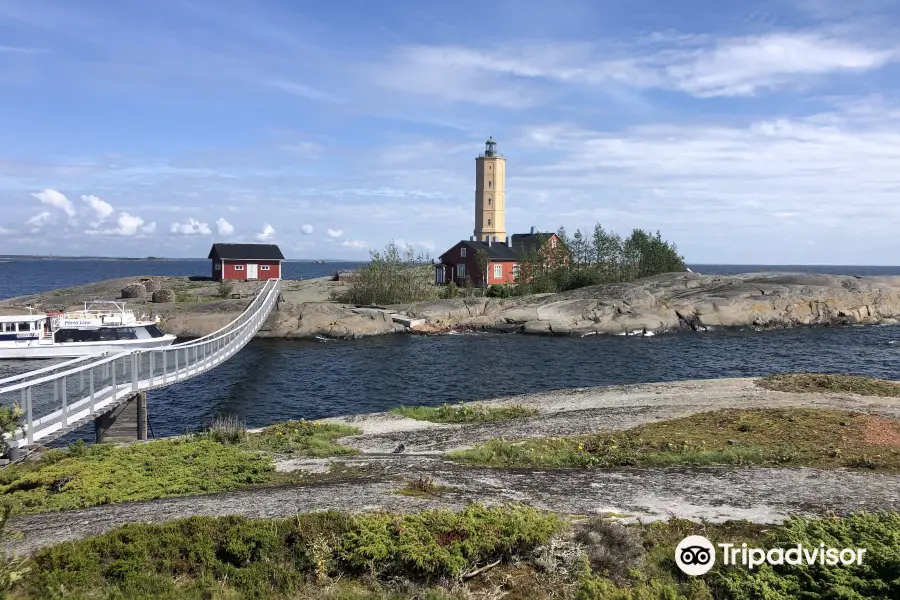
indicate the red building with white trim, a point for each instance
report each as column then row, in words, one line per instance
column 459, row 265
column 245, row 262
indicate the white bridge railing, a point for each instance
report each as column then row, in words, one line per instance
column 59, row 398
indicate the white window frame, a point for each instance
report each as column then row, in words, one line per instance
column 498, row 271
column 515, row 270
column 462, row 252
column 238, row 267
column 461, row 270
column 264, row 267
column 218, row 266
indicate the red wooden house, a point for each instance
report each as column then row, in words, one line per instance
column 459, row 265
column 246, row 262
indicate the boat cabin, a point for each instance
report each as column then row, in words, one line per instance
column 20, row 327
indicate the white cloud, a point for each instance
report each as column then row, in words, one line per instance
column 266, row 234
column 57, row 200
column 101, row 208
column 335, row 233
column 191, row 227
column 355, row 244
column 423, row 244
column 306, row 229
column 826, row 176
column 742, row 66
column 128, row 226
column 298, row 89
column 224, row 227
column 699, row 65
column 38, row 220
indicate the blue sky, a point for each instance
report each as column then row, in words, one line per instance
column 747, row 132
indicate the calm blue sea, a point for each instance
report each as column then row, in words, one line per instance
column 274, row 380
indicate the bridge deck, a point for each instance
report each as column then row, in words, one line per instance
column 58, row 399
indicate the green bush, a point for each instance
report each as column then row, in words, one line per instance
column 450, row 291
column 877, row 577
column 498, row 291
column 394, row 275
column 258, row 558
column 9, row 422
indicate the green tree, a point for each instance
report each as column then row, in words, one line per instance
column 394, row 275
column 482, row 263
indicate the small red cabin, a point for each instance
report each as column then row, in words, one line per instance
column 246, row 262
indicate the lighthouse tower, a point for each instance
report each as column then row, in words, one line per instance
column 490, row 194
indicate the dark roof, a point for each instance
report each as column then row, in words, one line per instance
column 245, row 252
column 523, row 243
column 496, row 251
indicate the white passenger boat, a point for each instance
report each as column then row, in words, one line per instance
column 103, row 326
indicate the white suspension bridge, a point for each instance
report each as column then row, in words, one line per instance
column 62, row 397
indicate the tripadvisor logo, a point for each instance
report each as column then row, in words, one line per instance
column 696, row 555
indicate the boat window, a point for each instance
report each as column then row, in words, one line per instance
column 26, row 326
column 155, row 331
column 77, row 335
column 107, row 335
column 126, row 333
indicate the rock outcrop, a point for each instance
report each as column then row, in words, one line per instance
column 682, row 301
column 675, row 301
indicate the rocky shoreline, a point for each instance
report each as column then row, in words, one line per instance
column 372, row 477
column 663, row 303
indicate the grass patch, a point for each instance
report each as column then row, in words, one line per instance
column 221, row 459
column 465, row 413
column 766, row 437
column 231, row 557
column 821, row 382
column 422, row 487
column 434, row 554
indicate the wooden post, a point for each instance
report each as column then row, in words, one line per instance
column 142, row 416
column 125, row 423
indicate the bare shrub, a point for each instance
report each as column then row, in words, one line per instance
column 134, row 290
column 151, row 284
column 227, row 429
column 611, row 548
column 224, row 288
column 163, row 296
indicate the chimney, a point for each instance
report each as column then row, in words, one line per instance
column 532, row 230
column 472, row 239
column 509, row 241
column 489, row 241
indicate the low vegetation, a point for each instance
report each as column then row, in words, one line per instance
column 10, row 419
column 769, row 437
column 465, row 413
column 822, row 382
column 475, row 553
column 398, row 275
column 224, row 288
column 223, row 458
column 595, row 257
column 395, row 275
column 228, row 557
column 422, row 487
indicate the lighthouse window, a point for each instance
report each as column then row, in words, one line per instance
column 490, row 183
column 489, row 201
column 489, row 222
